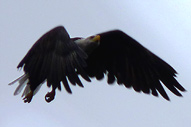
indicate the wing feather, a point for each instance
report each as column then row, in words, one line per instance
column 125, row 60
column 54, row 58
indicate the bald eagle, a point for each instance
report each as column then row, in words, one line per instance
column 56, row 58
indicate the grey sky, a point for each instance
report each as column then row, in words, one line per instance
column 163, row 27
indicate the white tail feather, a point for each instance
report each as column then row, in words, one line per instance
column 22, row 83
column 19, row 89
column 17, row 79
column 26, row 91
column 23, row 80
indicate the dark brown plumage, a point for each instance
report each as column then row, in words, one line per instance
column 128, row 62
column 57, row 58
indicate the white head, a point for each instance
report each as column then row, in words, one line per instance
column 88, row 44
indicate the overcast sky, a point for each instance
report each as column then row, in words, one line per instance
column 164, row 27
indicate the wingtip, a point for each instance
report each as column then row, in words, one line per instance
column 183, row 90
column 167, row 98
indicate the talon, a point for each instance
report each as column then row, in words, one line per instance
column 50, row 96
column 28, row 97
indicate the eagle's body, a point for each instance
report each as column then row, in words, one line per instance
column 57, row 58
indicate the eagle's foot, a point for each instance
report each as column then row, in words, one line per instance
column 28, row 97
column 50, row 96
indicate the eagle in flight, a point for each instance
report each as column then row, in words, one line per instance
column 57, row 59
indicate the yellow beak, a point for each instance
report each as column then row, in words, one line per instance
column 96, row 38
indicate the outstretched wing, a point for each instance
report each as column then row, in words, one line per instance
column 54, row 58
column 125, row 60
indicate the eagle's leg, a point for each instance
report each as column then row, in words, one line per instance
column 28, row 97
column 50, row 95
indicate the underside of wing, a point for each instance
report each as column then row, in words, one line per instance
column 126, row 61
column 54, row 58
